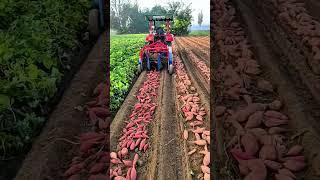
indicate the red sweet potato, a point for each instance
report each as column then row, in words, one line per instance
column 295, row 150
column 268, row 152
column 250, row 143
column 98, row 177
column 273, row 165
column 282, row 177
column 275, row 114
column 286, row 172
column 254, row 120
column 98, row 167
column 294, row 165
column 277, row 130
column 243, row 114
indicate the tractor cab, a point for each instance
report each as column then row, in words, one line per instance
column 158, row 46
column 157, row 31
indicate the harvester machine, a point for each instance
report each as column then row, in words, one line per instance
column 157, row 51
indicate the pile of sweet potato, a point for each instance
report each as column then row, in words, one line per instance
column 194, row 115
column 93, row 160
column 294, row 15
column 259, row 145
column 204, row 69
column 135, row 134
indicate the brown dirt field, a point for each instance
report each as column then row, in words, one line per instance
column 272, row 50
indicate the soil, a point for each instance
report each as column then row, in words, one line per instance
column 283, row 61
column 57, row 144
column 298, row 105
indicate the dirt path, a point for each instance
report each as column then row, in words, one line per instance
column 170, row 151
column 51, row 151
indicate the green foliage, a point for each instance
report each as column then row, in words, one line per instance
column 200, row 33
column 124, row 55
column 32, row 42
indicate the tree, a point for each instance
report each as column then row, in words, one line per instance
column 200, row 18
column 182, row 17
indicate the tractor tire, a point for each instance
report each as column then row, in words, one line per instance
column 139, row 68
column 93, row 22
column 170, row 69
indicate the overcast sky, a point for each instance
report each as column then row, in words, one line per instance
column 196, row 6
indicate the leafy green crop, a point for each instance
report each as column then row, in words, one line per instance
column 124, row 55
column 33, row 39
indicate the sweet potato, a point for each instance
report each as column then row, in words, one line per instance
column 258, row 132
column 220, row 110
column 294, row 165
column 277, row 130
column 258, row 169
column 275, row 114
column 282, row 177
column 206, row 176
column 244, row 170
column 133, row 173
column 275, row 105
column 273, row 165
column 191, row 152
column 98, row 167
column 205, row 169
column 127, row 163
column 250, row 143
column 268, row 152
column 206, row 159
column 286, row 172
column 271, row 122
column 119, row 178
column 243, row 114
column 197, row 136
column 239, row 155
column 295, row 150
column 254, row 120
column 200, row 142
column 185, row 134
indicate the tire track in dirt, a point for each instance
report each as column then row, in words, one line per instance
column 170, row 152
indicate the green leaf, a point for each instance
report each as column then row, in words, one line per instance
column 47, row 62
column 4, row 102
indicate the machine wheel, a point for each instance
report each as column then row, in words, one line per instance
column 139, row 68
column 170, row 69
column 94, row 22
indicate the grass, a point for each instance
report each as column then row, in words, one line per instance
column 200, row 33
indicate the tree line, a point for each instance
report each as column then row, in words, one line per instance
column 128, row 17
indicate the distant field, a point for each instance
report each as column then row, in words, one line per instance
column 200, row 33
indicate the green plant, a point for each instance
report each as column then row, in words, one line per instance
column 33, row 42
column 124, row 55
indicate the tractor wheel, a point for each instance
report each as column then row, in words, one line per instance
column 170, row 69
column 94, row 22
column 139, row 68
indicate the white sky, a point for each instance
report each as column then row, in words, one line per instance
column 196, row 6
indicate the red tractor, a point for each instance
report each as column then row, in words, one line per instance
column 158, row 48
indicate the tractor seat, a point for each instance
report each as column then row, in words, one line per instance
column 159, row 31
column 159, row 34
